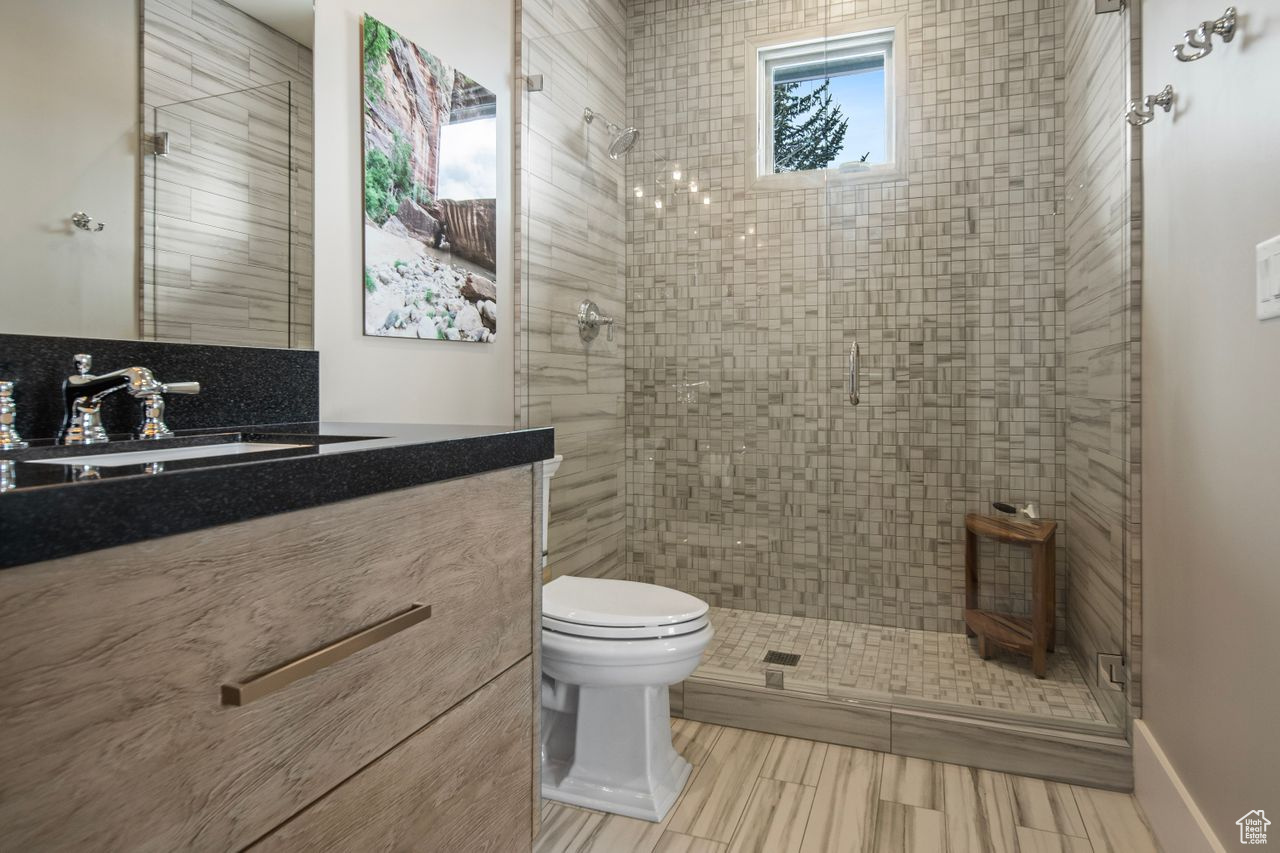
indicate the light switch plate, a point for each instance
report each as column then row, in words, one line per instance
column 1269, row 279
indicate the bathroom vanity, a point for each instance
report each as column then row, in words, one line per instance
column 326, row 646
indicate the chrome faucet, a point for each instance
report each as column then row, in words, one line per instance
column 9, row 438
column 83, row 394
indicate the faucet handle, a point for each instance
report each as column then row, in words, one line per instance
column 84, row 363
column 9, row 438
column 153, row 425
column 181, row 387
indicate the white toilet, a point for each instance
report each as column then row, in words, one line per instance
column 610, row 649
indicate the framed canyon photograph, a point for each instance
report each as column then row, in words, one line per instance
column 430, row 194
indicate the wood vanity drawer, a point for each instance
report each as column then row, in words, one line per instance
column 461, row 784
column 113, row 731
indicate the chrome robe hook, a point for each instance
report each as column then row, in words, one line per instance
column 1143, row 111
column 1198, row 43
column 85, row 222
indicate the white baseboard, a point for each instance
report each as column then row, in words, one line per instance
column 1177, row 821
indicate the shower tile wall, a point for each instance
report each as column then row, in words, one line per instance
column 748, row 476
column 222, row 217
column 572, row 248
column 1102, row 311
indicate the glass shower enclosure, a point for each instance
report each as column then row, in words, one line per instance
column 828, row 532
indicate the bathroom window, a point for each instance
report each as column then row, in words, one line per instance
column 826, row 106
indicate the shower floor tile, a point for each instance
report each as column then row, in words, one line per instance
column 899, row 661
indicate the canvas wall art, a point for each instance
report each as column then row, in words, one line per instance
column 430, row 194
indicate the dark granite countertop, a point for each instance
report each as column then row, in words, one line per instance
column 56, row 510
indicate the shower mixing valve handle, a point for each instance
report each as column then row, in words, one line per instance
column 590, row 320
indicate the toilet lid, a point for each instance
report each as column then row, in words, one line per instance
column 617, row 604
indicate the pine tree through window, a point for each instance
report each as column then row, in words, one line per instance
column 808, row 129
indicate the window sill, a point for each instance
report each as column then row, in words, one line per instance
column 818, row 178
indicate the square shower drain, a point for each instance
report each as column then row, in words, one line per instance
column 782, row 658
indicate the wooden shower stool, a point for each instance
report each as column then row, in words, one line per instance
column 1033, row 636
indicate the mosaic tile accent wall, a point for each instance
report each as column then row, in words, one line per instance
column 750, row 481
column 571, row 238
column 217, row 236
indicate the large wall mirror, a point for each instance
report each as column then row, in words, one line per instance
column 157, row 170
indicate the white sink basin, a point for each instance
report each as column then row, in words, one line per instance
column 172, row 454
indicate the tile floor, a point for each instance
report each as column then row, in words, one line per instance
column 903, row 662
column 758, row 792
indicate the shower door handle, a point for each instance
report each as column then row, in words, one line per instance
column 853, row 374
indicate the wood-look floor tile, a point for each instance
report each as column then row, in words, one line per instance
column 795, row 760
column 565, row 827
column 1113, row 822
column 844, row 806
column 1047, row 806
column 912, row 782
column 714, row 801
column 1039, row 841
column 748, row 792
column 775, row 818
column 902, row 828
column 675, row 842
column 616, row 833
column 693, row 740
column 979, row 809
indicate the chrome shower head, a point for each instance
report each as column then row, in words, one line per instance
column 623, row 142
column 624, row 138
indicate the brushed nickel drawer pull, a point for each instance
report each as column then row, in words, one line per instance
column 242, row 693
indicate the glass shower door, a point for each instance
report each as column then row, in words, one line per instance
column 965, row 282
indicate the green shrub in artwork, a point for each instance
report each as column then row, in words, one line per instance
column 402, row 173
column 389, row 181
column 369, row 284
column 377, row 44
column 401, row 164
column 380, row 199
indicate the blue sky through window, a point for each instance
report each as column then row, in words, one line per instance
column 861, row 99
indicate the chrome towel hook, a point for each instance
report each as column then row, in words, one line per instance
column 85, row 222
column 1143, row 111
column 1198, row 43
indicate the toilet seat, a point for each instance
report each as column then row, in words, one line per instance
column 594, row 607
column 607, row 609
column 623, row 632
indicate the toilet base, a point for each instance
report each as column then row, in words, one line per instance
column 609, row 748
column 651, row 805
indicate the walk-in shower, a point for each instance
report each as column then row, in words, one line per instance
column 713, row 445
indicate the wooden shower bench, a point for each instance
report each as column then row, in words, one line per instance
column 1032, row 635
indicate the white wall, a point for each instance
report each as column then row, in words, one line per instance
column 1211, row 489
column 68, row 142
column 396, row 379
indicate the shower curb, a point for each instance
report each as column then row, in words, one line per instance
column 1095, row 759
